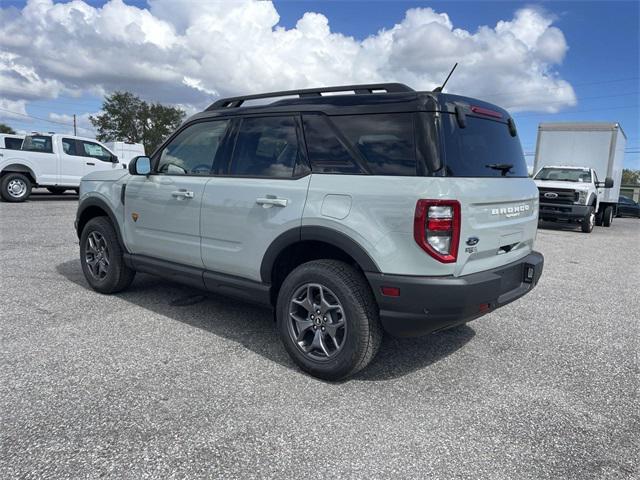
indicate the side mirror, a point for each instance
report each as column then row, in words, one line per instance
column 140, row 166
column 114, row 159
column 608, row 183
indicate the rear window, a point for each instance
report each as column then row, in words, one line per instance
column 483, row 149
column 37, row 143
column 266, row 147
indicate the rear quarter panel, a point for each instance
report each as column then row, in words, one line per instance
column 381, row 216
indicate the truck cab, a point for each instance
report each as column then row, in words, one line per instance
column 54, row 161
column 572, row 194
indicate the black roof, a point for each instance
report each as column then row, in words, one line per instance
column 357, row 99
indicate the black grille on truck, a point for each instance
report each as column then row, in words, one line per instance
column 558, row 195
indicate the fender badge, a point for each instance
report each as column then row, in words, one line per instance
column 472, row 241
column 135, row 216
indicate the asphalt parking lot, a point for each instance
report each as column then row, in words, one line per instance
column 164, row 382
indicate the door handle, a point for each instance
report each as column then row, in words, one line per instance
column 182, row 194
column 268, row 202
column 90, row 163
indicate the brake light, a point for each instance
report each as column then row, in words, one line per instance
column 486, row 111
column 436, row 228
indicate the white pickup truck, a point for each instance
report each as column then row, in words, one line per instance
column 54, row 161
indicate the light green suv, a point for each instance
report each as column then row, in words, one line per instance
column 373, row 208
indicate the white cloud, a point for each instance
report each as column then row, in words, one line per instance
column 13, row 109
column 188, row 52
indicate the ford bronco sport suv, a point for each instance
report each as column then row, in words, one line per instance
column 374, row 208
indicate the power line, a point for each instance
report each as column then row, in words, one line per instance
column 44, row 119
column 577, row 111
column 490, row 94
column 35, row 118
column 501, row 93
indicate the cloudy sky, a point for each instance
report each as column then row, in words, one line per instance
column 553, row 61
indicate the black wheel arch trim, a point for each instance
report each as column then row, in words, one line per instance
column 103, row 205
column 320, row 234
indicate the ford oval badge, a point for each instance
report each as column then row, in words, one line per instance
column 472, row 241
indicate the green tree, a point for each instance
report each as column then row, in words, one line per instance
column 127, row 117
column 630, row 177
column 4, row 128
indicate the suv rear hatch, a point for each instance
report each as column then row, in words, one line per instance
column 487, row 174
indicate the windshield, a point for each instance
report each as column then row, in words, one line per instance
column 564, row 175
column 484, row 148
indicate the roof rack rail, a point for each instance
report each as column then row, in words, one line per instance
column 234, row 102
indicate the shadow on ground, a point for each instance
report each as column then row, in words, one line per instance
column 254, row 328
column 561, row 226
column 47, row 197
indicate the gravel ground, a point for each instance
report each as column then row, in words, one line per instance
column 163, row 382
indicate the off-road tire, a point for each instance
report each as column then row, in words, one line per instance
column 118, row 275
column 363, row 334
column 9, row 193
column 588, row 221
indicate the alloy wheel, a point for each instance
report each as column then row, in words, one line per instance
column 317, row 322
column 97, row 255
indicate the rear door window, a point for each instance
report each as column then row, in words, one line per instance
column 327, row 153
column 37, row 143
column 385, row 141
column 266, row 147
column 483, row 149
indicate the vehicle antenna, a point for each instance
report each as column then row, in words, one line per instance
column 439, row 89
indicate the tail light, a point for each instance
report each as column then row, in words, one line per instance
column 436, row 228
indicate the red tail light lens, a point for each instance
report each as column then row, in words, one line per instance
column 436, row 228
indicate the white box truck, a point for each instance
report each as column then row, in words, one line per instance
column 125, row 151
column 578, row 170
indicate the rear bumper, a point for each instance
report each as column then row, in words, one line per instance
column 562, row 212
column 428, row 304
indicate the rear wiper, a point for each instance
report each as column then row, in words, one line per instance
column 503, row 167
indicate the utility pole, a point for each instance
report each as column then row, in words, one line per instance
column 75, row 134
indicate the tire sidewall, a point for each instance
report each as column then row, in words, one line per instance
column 4, row 185
column 607, row 217
column 344, row 361
column 587, row 226
column 104, row 228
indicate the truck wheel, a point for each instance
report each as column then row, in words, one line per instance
column 599, row 216
column 607, row 216
column 15, row 187
column 328, row 319
column 56, row 190
column 101, row 257
column 589, row 221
